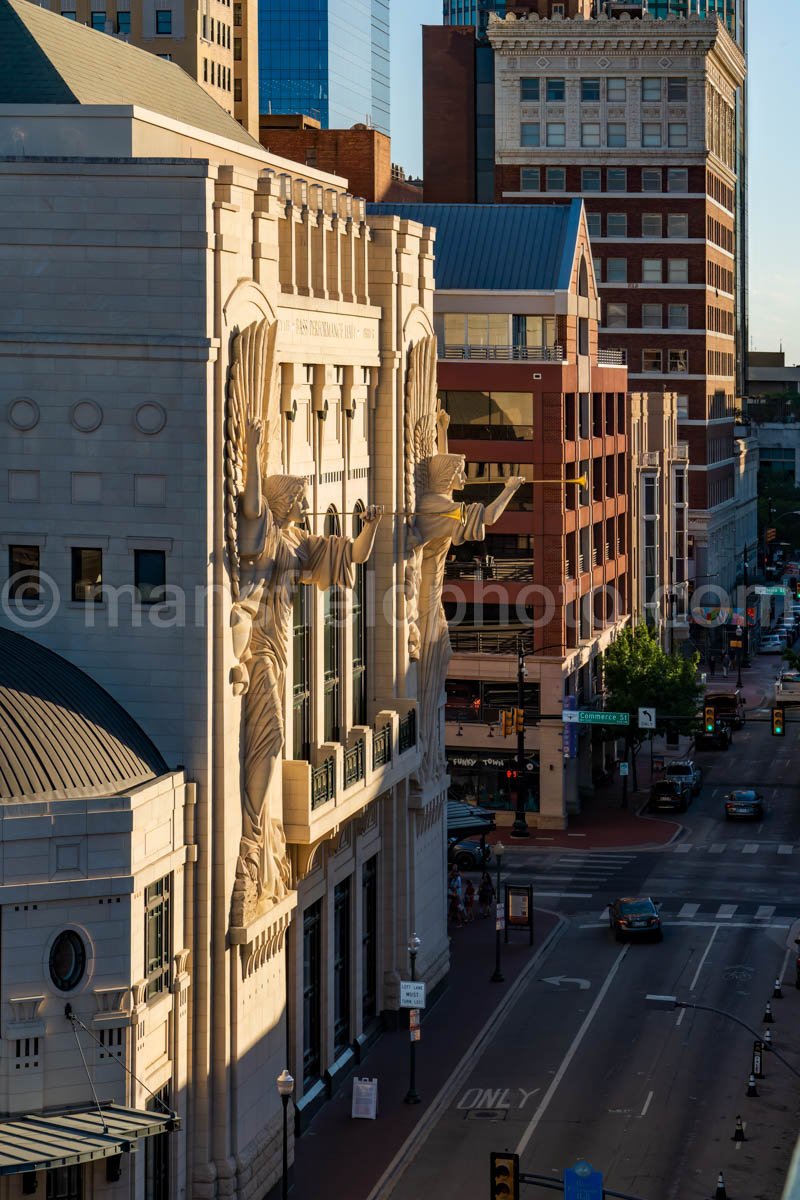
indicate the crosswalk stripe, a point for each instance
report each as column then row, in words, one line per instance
column 603, row 915
column 683, row 848
column 764, row 912
column 750, row 848
column 716, row 848
column 726, row 911
column 785, row 849
column 689, row 910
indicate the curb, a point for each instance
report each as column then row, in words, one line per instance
column 417, row 1138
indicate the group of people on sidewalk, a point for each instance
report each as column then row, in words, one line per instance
column 462, row 898
column 725, row 664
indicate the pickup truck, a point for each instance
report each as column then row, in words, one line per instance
column 687, row 772
column 787, row 687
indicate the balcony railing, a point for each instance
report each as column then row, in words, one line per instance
column 323, row 783
column 650, row 458
column 492, row 433
column 553, row 353
column 682, row 451
column 408, row 731
column 354, row 763
column 611, row 358
column 520, row 569
column 382, row 747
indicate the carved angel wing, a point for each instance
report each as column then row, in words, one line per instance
column 421, row 419
column 252, row 396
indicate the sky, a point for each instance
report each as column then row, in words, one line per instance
column 774, row 161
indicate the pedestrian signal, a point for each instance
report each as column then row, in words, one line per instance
column 504, row 1177
column 777, row 723
column 511, row 774
column 519, row 720
column 710, row 717
column 506, row 723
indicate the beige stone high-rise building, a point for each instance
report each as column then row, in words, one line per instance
column 215, row 41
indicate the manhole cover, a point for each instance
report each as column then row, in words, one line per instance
column 486, row 1114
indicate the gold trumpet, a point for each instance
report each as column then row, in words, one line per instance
column 581, row 481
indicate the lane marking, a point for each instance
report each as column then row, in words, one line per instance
column 701, row 964
column 716, row 848
column 643, row 1113
column 787, row 956
column 681, row 1015
column 785, row 849
column 750, row 848
column 712, row 925
column 764, row 912
column 568, row 1057
column 689, row 910
column 683, row 848
column 726, row 911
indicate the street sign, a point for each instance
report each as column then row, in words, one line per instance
column 770, row 590
column 412, row 995
column 588, row 716
column 735, row 644
column 758, row 1061
column 647, row 718
column 623, row 770
column 499, row 917
column 582, row 1182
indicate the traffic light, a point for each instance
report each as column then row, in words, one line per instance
column 506, row 723
column 710, row 718
column 512, row 774
column 519, row 720
column 778, row 727
column 504, row 1179
column 797, row 589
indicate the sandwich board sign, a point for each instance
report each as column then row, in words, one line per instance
column 365, row 1099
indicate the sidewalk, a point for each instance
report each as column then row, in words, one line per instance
column 341, row 1157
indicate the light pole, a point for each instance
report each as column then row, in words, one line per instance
column 412, row 1095
column 520, row 826
column 498, row 976
column 285, row 1089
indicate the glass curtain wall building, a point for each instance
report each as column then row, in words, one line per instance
column 328, row 59
column 472, row 12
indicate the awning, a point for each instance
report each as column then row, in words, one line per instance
column 466, row 819
column 41, row 1141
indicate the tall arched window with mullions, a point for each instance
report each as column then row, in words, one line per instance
column 358, row 601
column 332, row 643
column 301, row 675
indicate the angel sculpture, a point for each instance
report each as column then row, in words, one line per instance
column 435, row 522
column 269, row 552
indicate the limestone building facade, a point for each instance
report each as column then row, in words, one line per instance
column 199, row 306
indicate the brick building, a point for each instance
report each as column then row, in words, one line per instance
column 529, row 393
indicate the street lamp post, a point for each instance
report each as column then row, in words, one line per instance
column 285, row 1089
column 498, row 976
column 412, row 1095
column 520, row 826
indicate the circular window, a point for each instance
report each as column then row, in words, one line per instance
column 67, row 961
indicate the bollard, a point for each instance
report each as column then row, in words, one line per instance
column 768, row 1017
column 766, row 1038
column 777, row 991
column 720, row 1193
column 738, row 1133
column 752, row 1090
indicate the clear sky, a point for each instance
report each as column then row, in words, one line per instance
column 774, row 152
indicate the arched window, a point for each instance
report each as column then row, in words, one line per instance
column 331, row 633
column 583, row 279
column 359, row 632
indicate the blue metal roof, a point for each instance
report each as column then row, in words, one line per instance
column 498, row 247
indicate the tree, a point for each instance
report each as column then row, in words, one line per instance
column 638, row 673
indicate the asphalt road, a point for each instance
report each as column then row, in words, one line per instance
column 581, row 1068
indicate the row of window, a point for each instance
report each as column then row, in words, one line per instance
column 616, row 134
column 24, row 574
column 617, row 179
column 217, row 31
column 676, row 362
column 652, row 225
column 720, row 234
column 219, row 76
column 720, row 320
column 720, row 363
column 592, row 415
column 533, row 89
column 719, row 277
column 652, row 316
column 720, row 191
column 652, row 270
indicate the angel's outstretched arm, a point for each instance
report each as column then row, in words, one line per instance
column 252, row 497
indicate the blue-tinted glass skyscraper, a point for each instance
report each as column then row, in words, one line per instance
column 328, row 59
column 471, row 12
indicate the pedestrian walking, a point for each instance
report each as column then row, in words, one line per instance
column 485, row 894
column 455, row 893
column 726, row 664
column 712, row 665
column 469, row 901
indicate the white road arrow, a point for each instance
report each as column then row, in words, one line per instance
column 557, row 980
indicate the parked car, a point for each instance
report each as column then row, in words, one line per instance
column 635, row 916
column 787, row 687
column 468, row 854
column 772, row 643
column 745, row 803
column 670, row 793
column 684, row 770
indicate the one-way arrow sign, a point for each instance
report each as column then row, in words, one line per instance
column 557, row 980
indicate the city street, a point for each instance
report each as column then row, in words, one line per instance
column 580, row 1068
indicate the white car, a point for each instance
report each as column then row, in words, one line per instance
column 772, row 644
column 787, row 686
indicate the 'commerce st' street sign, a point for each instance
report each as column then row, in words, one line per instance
column 586, row 716
column 768, row 590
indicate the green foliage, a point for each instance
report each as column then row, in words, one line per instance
column 792, row 659
column 638, row 673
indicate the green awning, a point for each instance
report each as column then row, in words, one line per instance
column 41, row 1141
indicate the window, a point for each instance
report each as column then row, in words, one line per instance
column 678, row 133
column 529, row 90
column 150, row 575
column 312, row 991
column 590, row 179
column 67, row 961
column 678, row 316
column 590, row 133
column 301, row 680
column 23, row 574
column 556, row 179
column 651, row 270
column 651, row 360
column 237, row 90
column 237, row 14
column 651, row 316
column 617, row 225
column 332, row 606
column 358, row 611
column 529, row 179
column 594, row 225
column 237, row 49
column 87, row 574
column 369, row 940
column 617, row 134
column 529, row 133
column 556, row 133
column 99, row 21
column 71, row 15
column 616, row 270
column 677, row 179
column 651, row 133
column 651, row 90
column 583, row 335
column 164, row 22
column 123, row 22
column 617, row 179
column 678, row 362
column 651, row 179
column 678, row 90
column 651, row 225
column 616, row 316
column 157, row 940
column 678, row 270
column 65, row 1183
column 615, row 91
column 205, row 70
column 555, row 91
column 341, row 967
column 677, row 225
column 590, row 91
